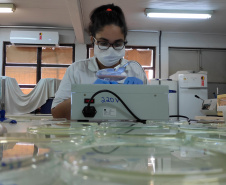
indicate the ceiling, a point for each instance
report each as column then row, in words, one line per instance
column 74, row 14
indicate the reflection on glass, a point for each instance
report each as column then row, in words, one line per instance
column 151, row 164
column 22, row 150
column 25, row 163
column 20, row 154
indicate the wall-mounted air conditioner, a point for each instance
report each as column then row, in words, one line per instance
column 34, row 38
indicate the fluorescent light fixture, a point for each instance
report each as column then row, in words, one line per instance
column 183, row 14
column 7, row 8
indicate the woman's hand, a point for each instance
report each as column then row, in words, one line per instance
column 99, row 81
column 62, row 110
column 133, row 80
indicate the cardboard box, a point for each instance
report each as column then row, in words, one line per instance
column 221, row 101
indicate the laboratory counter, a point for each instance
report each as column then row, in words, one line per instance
column 51, row 151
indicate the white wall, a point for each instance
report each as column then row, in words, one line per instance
column 170, row 39
column 193, row 40
column 189, row 40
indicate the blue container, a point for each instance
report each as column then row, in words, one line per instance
column 46, row 108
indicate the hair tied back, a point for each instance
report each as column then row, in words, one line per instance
column 109, row 10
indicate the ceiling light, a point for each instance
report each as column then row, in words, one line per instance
column 7, row 8
column 184, row 14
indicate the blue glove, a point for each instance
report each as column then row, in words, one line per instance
column 99, row 81
column 133, row 80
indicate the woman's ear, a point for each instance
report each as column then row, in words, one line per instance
column 92, row 40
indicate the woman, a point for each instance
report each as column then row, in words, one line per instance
column 108, row 31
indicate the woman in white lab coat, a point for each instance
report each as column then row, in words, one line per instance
column 108, row 31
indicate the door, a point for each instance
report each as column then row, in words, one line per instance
column 211, row 60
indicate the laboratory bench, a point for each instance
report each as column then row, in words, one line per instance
column 57, row 151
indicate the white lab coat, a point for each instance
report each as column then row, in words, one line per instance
column 84, row 72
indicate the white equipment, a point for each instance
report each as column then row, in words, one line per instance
column 146, row 102
column 34, row 37
column 172, row 93
column 209, row 107
column 189, row 85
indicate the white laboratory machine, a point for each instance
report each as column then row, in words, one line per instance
column 101, row 102
column 190, row 85
column 172, row 93
column 209, row 107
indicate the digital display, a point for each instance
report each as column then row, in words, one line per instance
column 87, row 100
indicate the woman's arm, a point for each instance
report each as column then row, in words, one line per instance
column 62, row 110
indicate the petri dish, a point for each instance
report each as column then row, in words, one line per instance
column 63, row 138
column 197, row 129
column 24, row 163
column 201, row 128
column 134, row 129
column 215, row 126
column 58, row 145
column 211, row 141
column 111, row 75
column 62, row 130
column 139, row 133
column 155, row 164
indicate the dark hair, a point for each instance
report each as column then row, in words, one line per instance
column 106, row 15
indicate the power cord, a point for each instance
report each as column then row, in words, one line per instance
column 90, row 111
column 114, row 149
column 108, row 152
column 180, row 116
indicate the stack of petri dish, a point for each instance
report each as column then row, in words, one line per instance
column 131, row 163
column 127, row 131
column 64, row 138
column 116, row 153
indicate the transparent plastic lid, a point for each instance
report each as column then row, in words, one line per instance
column 132, row 163
column 115, row 74
column 111, row 74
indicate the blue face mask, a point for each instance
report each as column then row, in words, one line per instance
column 110, row 56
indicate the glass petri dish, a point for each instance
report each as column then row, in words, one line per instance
column 63, row 138
column 26, row 163
column 62, row 130
column 58, row 145
column 215, row 126
column 201, row 128
column 210, row 141
column 132, row 164
column 133, row 129
column 139, row 133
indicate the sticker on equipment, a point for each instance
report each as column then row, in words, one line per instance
column 109, row 112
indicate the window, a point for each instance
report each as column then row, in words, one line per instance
column 143, row 54
column 30, row 64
